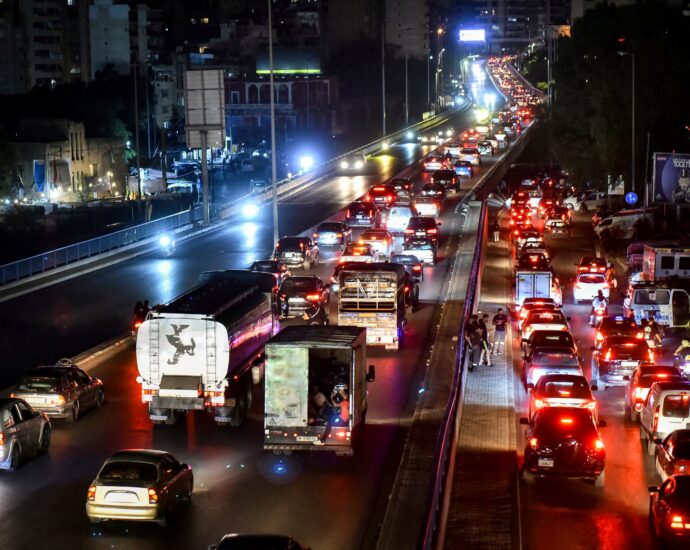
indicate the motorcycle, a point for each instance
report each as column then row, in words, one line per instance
column 167, row 245
column 598, row 313
column 682, row 363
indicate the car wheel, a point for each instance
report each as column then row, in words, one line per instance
column 600, row 481
column 528, row 477
column 94, row 521
column 45, row 439
column 74, row 413
column 15, row 459
column 99, row 399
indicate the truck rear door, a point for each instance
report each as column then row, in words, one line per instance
column 287, row 392
column 523, row 287
column 542, row 285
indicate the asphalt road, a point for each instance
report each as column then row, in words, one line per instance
column 323, row 501
column 571, row 514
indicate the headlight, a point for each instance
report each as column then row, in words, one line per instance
column 385, row 145
column 409, row 134
column 306, row 162
column 344, row 165
column 359, row 164
column 164, row 240
column 250, row 210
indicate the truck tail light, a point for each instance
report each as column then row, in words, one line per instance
column 598, row 444
column 91, row 493
column 677, row 522
column 533, row 443
column 153, row 496
column 313, row 297
column 2, row 438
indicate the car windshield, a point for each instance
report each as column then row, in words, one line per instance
column 419, row 245
column 591, row 278
column 298, row 284
column 404, row 259
column 38, row 384
column 357, row 250
column 128, row 471
column 652, row 297
column 555, row 359
column 631, row 352
column 265, row 267
column 676, row 406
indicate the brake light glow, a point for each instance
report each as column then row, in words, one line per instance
column 591, row 405
column 416, row 268
column 313, row 297
column 533, row 442
column 137, row 324
column 598, row 444
column 600, row 336
column 378, row 188
column 91, row 494
column 409, row 231
column 566, row 420
column 608, row 355
column 153, row 496
column 677, row 523
column 432, row 231
column 538, row 403
column 315, row 235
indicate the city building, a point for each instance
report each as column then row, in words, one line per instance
column 109, row 37
column 407, row 26
column 54, row 158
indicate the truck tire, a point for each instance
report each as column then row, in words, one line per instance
column 242, row 405
column 173, row 416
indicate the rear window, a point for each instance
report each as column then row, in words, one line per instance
column 567, row 389
column 361, row 207
column 445, row 174
column 298, row 285
column 684, row 262
column 330, row 227
column 291, row 243
column 646, row 380
column 128, row 471
column 591, row 279
column 38, row 384
column 469, row 151
column 560, row 339
column 418, row 222
column 676, row 406
column 652, row 297
column 557, row 423
column 553, row 359
column 546, row 317
column 401, row 211
column 373, row 236
column 681, row 450
column 635, row 353
column 667, row 262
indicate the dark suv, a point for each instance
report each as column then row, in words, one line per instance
column 297, row 251
column 446, row 178
column 422, row 227
column 564, row 442
column 304, row 297
column 364, row 213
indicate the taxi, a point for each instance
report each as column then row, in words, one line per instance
column 359, row 253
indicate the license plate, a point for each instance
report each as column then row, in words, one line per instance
column 628, row 363
column 545, row 463
column 307, row 438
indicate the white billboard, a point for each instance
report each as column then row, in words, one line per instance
column 204, row 107
column 473, row 35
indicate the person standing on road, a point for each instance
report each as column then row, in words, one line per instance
column 485, row 358
column 473, row 338
column 499, row 322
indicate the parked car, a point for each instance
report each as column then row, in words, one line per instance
column 22, row 431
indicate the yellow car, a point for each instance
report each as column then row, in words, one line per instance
column 139, row 485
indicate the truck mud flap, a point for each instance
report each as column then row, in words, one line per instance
column 179, row 403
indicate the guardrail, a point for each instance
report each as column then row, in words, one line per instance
column 66, row 255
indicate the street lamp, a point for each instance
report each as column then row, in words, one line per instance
column 632, row 144
column 276, row 234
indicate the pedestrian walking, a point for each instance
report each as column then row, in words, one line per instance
column 485, row 357
column 499, row 322
column 473, row 338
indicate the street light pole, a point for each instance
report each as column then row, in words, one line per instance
column 632, row 136
column 276, row 233
column 383, row 76
column 407, row 104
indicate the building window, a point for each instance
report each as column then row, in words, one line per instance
column 234, row 97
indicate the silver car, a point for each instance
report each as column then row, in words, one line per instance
column 62, row 390
column 139, row 485
column 23, row 431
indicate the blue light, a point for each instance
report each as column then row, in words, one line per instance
column 619, row 317
column 250, row 210
column 164, row 241
column 279, row 468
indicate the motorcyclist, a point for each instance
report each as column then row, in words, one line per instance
column 652, row 338
column 683, row 351
column 599, row 303
column 611, row 276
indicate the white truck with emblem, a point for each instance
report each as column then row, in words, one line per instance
column 203, row 350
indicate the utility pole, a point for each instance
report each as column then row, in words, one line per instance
column 407, row 103
column 383, row 76
column 276, row 233
column 136, row 130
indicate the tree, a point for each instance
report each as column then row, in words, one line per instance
column 8, row 162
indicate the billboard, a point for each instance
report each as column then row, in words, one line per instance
column 671, row 178
column 473, row 35
column 204, row 103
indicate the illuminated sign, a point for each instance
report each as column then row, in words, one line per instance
column 473, row 35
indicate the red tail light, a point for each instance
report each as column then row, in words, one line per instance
column 677, row 523
column 91, row 494
column 409, row 231
column 416, row 268
column 533, row 442
column 538, row 403
column 432, row 231
column 566, row 420
column 153, row 496
column 608, row 355
column 137, row 324
column 638, row 394
column 348, row 214
column 598, row 444
column 313, row 297
column 600, row 336
column 315, row 236
column 339, row 235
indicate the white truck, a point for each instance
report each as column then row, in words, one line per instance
column 316, row 389
column 536, row 284
column 661, row 262
column 203, row 350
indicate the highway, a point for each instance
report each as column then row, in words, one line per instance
column 321, row 500
column 571, row 514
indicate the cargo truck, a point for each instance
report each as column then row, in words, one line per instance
column 373, row 296
column 316, row 389
column 536, row 284
column 204, row 349
column 661, row 262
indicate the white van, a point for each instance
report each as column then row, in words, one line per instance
column 398, row 217
column 669, row 306
column 667, row 409
column 621, row 225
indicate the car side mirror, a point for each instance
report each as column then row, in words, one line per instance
column 652, row 488
column 530, row 386
column 524, row 421
column 594, row 387
column 657, row 441
column 371, row 375
column 602, row 424
column 184, row 466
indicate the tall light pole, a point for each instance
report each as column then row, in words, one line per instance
column 632, row 135
column 439, row 34
column 407, row 102
column 276, row 234
column 383, row 77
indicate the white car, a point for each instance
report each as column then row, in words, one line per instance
column 550, row 361
column 353, row 163
column 427, row 206
column 359, row 253
column 398, row 217
column 543, row 320
column 561, row 390
column 380, row 240
column 423, row 249
column 588, row 285
column 585, row 201
column 433, row 163
column 470, row 154
column 452, row 148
